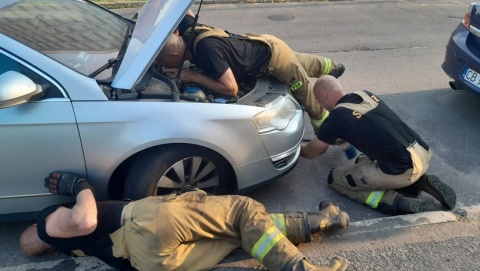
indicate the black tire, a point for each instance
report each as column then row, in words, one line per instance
column 168, row 170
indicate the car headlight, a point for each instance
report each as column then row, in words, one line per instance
column 276, row 115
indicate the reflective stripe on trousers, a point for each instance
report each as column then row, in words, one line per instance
column 328, row 66
column 318, row 122
column 268, row 240
column 374, row 198
column 279, row 221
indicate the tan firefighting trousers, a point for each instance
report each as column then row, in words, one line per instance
column 295, row 69
column 364, row 181
column 194, row 231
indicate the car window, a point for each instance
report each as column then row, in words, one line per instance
column 78, row 34
column 9, row 64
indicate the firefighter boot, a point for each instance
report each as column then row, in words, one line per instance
column 439, row 190
column 411, row 191
column 338, row 71
column 329, row 218
column 337, row 264
column 414, row 205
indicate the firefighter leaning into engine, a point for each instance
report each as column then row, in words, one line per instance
column 191, row 231
column 228, row 59
column 391, row 172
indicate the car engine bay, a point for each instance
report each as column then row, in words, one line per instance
column 156, row 86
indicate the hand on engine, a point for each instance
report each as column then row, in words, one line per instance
column 186, row 75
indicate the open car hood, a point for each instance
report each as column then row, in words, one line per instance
column 156, row 21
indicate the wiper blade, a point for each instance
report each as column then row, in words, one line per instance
column 111, row 62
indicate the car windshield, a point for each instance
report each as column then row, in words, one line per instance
column 76, row 33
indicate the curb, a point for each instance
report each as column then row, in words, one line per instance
column 470, row 212
column 410, row 220
column 397, row 222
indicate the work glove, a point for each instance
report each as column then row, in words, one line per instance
column 65, row 184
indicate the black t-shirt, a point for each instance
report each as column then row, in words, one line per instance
column 368, row 137
column 98, row 243
column 214, row 55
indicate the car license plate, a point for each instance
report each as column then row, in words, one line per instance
column 471, row 76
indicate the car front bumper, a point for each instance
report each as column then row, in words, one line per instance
column 250, row 174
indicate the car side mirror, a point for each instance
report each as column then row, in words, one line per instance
column 16, row 88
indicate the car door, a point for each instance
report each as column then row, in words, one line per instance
column 36, row 138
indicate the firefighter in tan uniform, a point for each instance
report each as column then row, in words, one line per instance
column 191, row 231
column 390, row 174
column 229, row 59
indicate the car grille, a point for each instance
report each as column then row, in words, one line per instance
column 283, row 162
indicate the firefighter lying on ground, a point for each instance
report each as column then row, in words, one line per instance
column 391, row 172
column 175, row 232
column 227, row 59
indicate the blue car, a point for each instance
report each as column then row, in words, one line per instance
column 462, row 59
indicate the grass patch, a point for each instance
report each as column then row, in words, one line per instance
column 115, row 4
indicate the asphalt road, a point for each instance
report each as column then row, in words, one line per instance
column 394, row 49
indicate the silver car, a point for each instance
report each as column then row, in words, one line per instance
column 80, row 93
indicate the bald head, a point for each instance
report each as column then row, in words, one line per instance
column 328, row 91
column 31, row 244
column 172, row 52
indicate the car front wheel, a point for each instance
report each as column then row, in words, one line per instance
column 175, row 170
